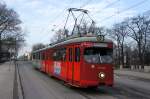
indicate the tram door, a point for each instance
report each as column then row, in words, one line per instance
column 73, row 69
column 77, row 63
column 70, row 65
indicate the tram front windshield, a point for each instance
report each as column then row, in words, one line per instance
column 98, row 55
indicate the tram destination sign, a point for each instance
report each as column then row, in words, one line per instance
column 100, row 45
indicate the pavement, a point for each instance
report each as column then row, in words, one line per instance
column 6, row 80
column 131, row 73
column 10, row 85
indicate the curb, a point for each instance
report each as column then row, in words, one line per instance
column 18, row 92
column 20, row 87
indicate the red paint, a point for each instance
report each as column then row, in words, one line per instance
column 80, row 73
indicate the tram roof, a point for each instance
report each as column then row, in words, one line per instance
column 75, row 40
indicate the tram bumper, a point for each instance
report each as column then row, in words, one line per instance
column 102, row 80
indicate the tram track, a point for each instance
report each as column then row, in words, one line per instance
column 76, row 90
column 130, row 91
column 18, row 91
column 15, row 86
column 45, row 80
column 90, row 93
column 121, row 91
column 86, row 93
column 59, row 90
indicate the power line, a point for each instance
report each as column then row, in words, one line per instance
column 124, row 10
column 54, row 19
column 85, row 4
column 44, row 29
column 146, row 12
column 133, row 6
column 107, row 6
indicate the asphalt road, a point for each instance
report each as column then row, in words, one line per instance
column 37, row 85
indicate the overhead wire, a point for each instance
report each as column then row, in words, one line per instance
column 85, row 4
column 107, row 6
column 124, row 10
column 54, row 19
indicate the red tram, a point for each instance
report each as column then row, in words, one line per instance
column 81, row 62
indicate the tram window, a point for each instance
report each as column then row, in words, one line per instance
column 70, row 54
column 33, row 56
column 39, row 55
column 63, row 54
column 36, row 55
column 77, row 54
column 98, row 55
column 60, row 55
column 46, row 56
column 54, row 56
column 42, row 56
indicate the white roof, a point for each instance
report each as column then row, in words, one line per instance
column 74, row 40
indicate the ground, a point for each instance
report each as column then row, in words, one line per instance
column 6, row 80
column 37, row 85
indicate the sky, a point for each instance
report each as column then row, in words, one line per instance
column 40, row 17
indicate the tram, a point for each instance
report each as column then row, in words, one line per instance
column 80, row 61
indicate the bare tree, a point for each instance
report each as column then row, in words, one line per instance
column 101, row 31
column 139, row 30
column 37, row 46
column 119, row 33
column 60, row 35
column 10, row 29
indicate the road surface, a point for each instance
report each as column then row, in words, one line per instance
column 37, row 85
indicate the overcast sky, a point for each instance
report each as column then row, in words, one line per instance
column 41, row 16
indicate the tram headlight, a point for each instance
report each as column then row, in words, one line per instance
column 101, row 75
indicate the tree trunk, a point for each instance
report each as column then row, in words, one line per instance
column 140, row 54
column 122, row 56
column 119, row 56
column 0, row 46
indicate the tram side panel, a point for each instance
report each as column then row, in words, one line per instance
column 36, row 60
column 77, row 64
column 58, row 66
column 68, row 68
column 50, row 62
column 47, row 61
column 74, row 69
